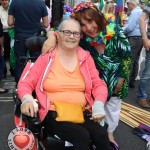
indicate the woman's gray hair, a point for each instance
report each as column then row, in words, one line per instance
column 64, row 21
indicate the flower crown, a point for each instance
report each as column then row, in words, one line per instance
column 82, row 6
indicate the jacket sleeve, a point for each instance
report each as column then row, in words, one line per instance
column 99, row 87
column 27, row 85
column 124, row 56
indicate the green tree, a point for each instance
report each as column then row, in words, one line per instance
column 146, row 2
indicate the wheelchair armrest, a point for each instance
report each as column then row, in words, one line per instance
column 33, row 123
column 32, row 120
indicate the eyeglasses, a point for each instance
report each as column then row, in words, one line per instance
column 68, row 33
column 108, row 2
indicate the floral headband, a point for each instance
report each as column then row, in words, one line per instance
column 82, row 6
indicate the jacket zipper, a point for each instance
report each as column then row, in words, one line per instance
column 41, row 84
column 84, row 79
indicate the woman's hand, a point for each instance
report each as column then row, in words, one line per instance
column 2, row 51
column 97, row 118
column 119, row 85
column 98, row 112
column 146, row 43
column 29, row 109
column 50, row 43
column 100, row 48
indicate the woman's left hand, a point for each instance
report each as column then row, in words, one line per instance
column 97, row 118
column 119, row 85
column 2, row 51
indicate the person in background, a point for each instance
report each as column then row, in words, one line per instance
column 109, row 7
column 125, row 16
column 132, row 31
column 111, row 53
column 25, row 16
column 49, row 18
column 1, row 57
column 49, row 15
column 143, row 86
column 4, row 18
column 67, row 74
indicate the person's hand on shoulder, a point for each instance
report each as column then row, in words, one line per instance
column 50, row 43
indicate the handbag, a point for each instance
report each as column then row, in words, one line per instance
column 69, row 112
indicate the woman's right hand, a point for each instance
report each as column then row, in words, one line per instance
column 29, row 109
column 146, row 43
column 2, row 51
column 50, row 43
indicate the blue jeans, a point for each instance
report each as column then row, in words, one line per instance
column 20, row 50
column 144, row 80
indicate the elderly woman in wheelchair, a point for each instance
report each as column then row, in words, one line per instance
column 69, row 91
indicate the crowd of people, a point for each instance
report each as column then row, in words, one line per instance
column 91, row 60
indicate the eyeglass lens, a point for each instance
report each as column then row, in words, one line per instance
column 68, row 33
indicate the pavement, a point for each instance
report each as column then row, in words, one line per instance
column 123, row 134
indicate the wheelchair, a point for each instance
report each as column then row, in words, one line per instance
column 43, row 140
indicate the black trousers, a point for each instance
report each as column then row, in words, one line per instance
column 7, row 52
column 6, row 45
column 79, row 135
column 136, row 44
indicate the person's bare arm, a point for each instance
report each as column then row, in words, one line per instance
column 1, row 45
column 45, row 21
column 1, row 41
column 10, row 20
column 50, row 43
column 146, row 41
column 119, row 85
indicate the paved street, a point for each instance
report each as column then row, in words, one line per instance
column 123, row 134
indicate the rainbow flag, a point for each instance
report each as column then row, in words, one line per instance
column 119, row 11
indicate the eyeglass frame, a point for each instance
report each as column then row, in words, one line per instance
column 69, row 33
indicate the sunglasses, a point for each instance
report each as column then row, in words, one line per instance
column 108, row 2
